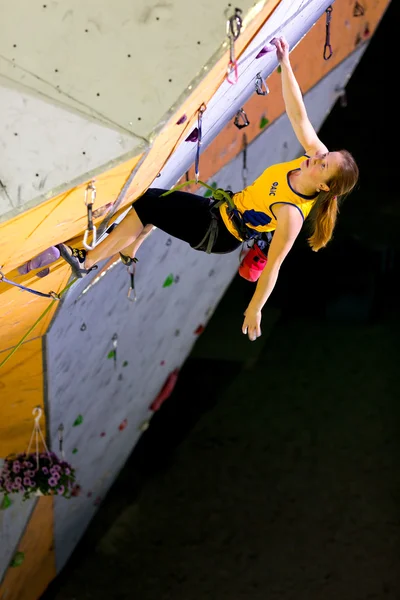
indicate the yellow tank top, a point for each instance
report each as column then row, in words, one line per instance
column 256, row 202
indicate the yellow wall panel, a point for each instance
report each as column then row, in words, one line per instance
column 19, row 310
column 57, row 219
column 21, row 389
column 30, row 580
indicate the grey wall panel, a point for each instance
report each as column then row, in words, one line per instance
column 13, row 522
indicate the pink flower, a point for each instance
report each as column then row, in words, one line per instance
column 67, row 471
column 61, row 490
column 18, row 480
column 16, row 467
column 27, row 482
column 9, row 487
column 16, row 486
column 53, row 482
column 45, row 470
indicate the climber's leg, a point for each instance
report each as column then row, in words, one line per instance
column 125, row 234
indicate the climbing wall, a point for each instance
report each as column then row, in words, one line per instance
column 104, row 359
column 104, row 400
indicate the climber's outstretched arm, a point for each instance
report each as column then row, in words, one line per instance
column 289, row 224
column 294, row 104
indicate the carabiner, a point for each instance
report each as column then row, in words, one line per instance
column 90, row 227
column 241, row 115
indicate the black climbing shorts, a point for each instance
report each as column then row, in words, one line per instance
column 184, row 216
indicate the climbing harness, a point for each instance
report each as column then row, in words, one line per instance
column 358, row 10
column 233, row 29
column 199, row 138
column 244, row 166
column 90, row 197
column 327, row 46
column 241, row 119
column 259, row 86
column 52, row 295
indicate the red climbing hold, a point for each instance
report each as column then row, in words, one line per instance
column 103, row 433
column 166, row 390
column 76, row 490
column 162, row 363
column 181, row 120
column 123, row 424
column 199, row 330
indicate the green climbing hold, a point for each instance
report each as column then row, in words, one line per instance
column 209, row 192
column 264, row 121
column 279, row 69
column 111, row 354
column 169, row 281
column 125, row 363
column 18, row 559
column 75, row 451
column 78, row 421
column 6, row 502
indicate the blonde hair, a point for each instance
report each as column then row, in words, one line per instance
column 326, row 208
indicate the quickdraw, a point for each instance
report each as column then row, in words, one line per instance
column 241, row 116
column 233, row 29
column 244, row 167
column 90, row 197
column 327, row 46
column 259, row 85
column 52, row 295
column 358, row 10
column 199, row 139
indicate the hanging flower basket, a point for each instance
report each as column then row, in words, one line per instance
column 36, row 473
column 32, row 475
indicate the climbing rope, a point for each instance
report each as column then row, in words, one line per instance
column 90, row 197
column 233, row 29
column 327, row 46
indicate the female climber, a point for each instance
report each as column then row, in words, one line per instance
column 278, row 201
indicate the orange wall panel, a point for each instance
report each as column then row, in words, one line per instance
column 30, row 580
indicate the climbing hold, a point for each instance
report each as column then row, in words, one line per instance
column 111, row 354
column 123, row 425
column 103, row 434
column 144, row 426
column 168, row 242
column 120, row 377
column 83, row 327
column 162, row 363
column 211, row 273
column 169, row 281
column 209, row 192
column 125, row 363
column 43, row 273
column 264, row 121
column 6, row 502
column 193, row 136
column 18, row 559
column 76, row 490
column 97, row 501
column 41, row 260
column 75, row 451
column 165, row 391
column 366, row 32
column 78, row 421
column 181, row 120
column 199, row 330
column 177, row 332
column 267, row 48
column 89, row 494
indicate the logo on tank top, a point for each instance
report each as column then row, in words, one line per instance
column 273, row 188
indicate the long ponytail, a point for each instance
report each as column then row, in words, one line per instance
column 323, row 220
column 326, row 208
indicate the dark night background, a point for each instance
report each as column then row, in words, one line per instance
column 272, row 471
